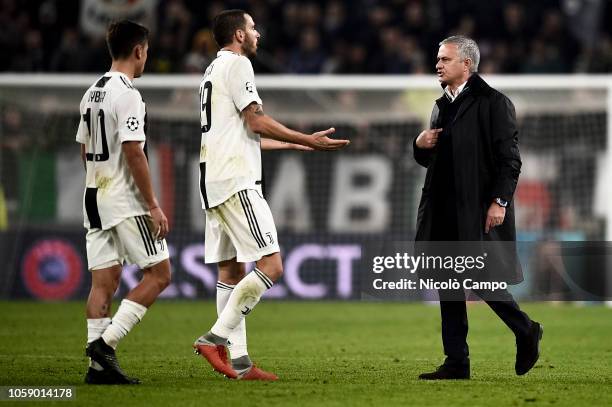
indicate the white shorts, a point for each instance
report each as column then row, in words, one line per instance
column 130, row 241
column 240, row 227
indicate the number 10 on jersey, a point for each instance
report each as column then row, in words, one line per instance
column 93, row 131
column 205, row 95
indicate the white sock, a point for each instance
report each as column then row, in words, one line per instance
column 95, row 328
column 237, row 341
column 127, row 316
column 223, row 293
column 243, row 299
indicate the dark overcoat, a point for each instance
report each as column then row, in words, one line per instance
column 486, row 163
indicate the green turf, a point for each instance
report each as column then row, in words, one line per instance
column 326, row 353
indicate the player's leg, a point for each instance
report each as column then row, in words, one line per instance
column 104, row 262
column 241, row 301
column 218, row 248
column 251, row 228
column 152, row 257
column 104, row 283
column 230, row 274
column 133, row 308
column 248, row 222
column 136, row 243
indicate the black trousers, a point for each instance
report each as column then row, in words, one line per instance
column 455, row 322
column 452, row 302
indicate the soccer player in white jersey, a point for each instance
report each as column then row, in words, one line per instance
column 239, row 224
column 122, row 215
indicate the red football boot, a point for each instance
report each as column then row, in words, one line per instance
column 255, row 373
column 211, row 353
column 222, row 351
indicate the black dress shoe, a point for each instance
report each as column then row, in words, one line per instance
column 528, row 349
column 105, row 356
column 447, row 372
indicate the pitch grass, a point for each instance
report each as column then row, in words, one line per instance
column 326, row 353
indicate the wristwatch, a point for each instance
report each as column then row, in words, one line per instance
column 501, row 202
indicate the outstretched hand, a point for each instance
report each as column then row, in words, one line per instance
column 293, row 146
column 321, row 141
column 271, row 144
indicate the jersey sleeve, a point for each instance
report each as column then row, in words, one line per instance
column 130, row 112
column 242, row 84
column 82, row 131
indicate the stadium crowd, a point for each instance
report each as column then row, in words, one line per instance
column 337, row 36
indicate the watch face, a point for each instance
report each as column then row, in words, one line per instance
column 501, row 202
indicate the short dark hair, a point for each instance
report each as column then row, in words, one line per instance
column 123, row 36
column 225, row 25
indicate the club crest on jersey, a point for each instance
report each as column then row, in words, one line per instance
column 132, row 123
column 249, row 87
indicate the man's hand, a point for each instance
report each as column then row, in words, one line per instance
column 270, row 144
column 428, row 138
column 160, row 223
column 321, row 141
column 495, row 216
column 260, row 123
column 292, row 146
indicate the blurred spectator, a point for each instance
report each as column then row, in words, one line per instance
column 309, row 57
column 175, row 21
column 598, row 59
column 14, row 140
column 68, row 56
column 352, row 60
column 338, row 36
column 203, row 51
column 556, row 35
column 334, row 20
column 384, row 58
column 543, row 58
column 10, row 35
column 164, row 55
column 96, row 57
column 30, row 59
column 411, row 58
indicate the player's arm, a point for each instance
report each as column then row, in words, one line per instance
column 261, row 123
column 270, row 144
column 82, row 135
column 130, row 113
column 83, row 155
column 139, row 167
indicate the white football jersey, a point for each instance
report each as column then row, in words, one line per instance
column 230, row 154
column 112, row 111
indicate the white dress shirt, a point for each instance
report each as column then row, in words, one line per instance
column 450, row 94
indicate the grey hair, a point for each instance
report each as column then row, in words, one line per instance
column 467, row 47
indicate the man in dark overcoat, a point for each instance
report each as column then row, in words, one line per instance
column 473, row 164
